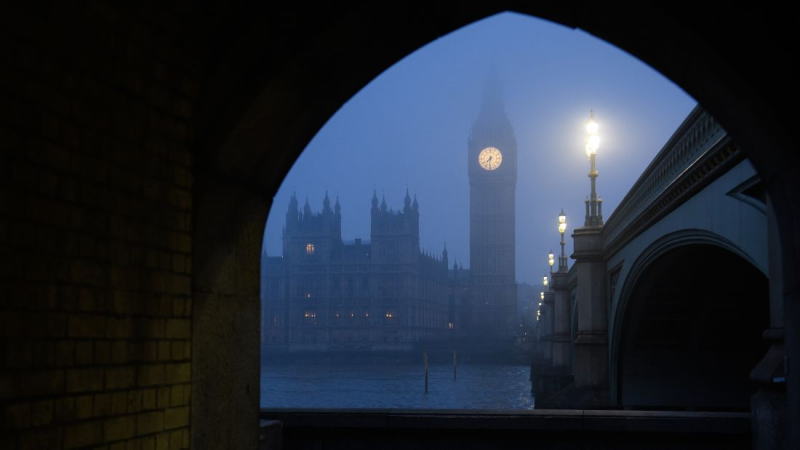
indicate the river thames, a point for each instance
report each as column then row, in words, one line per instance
column 366, row 384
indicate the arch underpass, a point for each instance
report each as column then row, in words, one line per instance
column 691, row 331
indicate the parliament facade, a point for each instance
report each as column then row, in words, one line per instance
column 386, row 294
column 379, row 295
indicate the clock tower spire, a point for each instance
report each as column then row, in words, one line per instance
column 492, row 166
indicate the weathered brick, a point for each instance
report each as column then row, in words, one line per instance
column 123, row 302
column 120, row 327
column 102, row 404
column 19, row 354
column 180, row 284
column 163, row 397
column 154, row 328
column 162, row 441
column 84, row 406
column 178, row 328
column 65, row 353
column 180, row 350
column 176, row 439
column 120, row 377
column 149, row 398
column 86, row 300
column 149, row 422
column 83, row 434
column 176, row 417
column 81, row 380
column 149, row 375
column 148, row 443
column 120, row 428
column 164, row 352
column 84, row 353
column 42, row 412
column 65, row 409
column 119, row 352
column 119, row 403
column 102, row 352
column 18, row 415
column 39, row 438
column 178, row 372
column 86, row 325
column 40, row 382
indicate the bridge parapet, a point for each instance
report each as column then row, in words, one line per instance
column 697, row 135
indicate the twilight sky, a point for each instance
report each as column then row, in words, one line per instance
column 409, row 127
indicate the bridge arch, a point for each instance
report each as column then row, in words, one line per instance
column 687, row 328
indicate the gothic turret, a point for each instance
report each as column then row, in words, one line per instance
column 394, row 234
column 326, row 204
column 310, row 236
column 292, row 213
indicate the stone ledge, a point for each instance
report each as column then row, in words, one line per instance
column 730, row 423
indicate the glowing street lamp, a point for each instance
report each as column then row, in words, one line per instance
column 545, row 281
column 562, row 227
column 551, row 260
column 594, row 214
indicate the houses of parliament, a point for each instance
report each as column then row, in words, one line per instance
column 387, row 294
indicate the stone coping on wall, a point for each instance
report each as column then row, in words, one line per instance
column 639, row 421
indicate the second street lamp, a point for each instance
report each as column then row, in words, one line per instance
column 562, row 227
column 594, row 213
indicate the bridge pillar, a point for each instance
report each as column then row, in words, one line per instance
column 547, row 328
column 768, row 404
column 562, row 339
column 591, row 338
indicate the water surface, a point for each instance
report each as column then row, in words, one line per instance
column 395, row 385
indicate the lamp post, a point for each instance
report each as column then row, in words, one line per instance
column 562, row 227
column 539, row 306
column 551, row 260
column 594, row 213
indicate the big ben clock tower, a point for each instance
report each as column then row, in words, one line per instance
column 492, row 165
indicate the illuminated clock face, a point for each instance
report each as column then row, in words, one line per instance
column 490, row 158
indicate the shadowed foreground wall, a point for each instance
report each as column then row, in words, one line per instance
column 96, row 231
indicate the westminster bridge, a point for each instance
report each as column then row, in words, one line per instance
column 668, row 303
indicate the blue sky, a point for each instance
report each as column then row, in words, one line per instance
column 408, row 128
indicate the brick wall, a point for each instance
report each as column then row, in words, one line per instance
column 95, row 231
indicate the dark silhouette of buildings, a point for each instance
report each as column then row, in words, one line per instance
column 386, row 294
column 326, row 294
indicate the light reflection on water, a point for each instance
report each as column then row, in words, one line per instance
column 395, row 385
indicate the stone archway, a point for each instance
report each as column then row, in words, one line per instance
column 228, row 95
column 723, row 70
